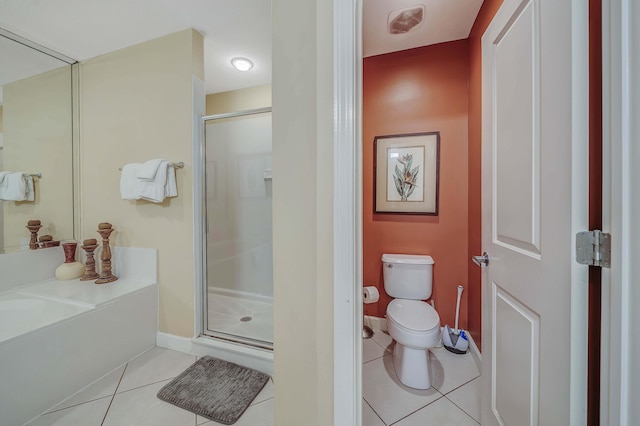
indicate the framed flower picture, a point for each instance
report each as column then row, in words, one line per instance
column 406, row 173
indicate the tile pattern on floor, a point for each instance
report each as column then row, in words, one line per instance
column 452, row 400
column 127, row 396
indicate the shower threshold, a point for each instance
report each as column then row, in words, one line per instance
column 258, row 358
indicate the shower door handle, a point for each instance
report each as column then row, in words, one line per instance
column 481, row 261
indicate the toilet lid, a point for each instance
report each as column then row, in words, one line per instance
column 413, row 314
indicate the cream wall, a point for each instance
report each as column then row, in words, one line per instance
column 1, row 168
column 136, row 105
column 303, row 211
column 239, row 100
column 37, row 138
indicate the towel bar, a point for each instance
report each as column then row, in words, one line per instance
column 179, row 165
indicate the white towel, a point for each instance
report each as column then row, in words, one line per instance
column 149, row 169
column 129, row 182
column 14, row 187
column 30, row 194
column 171, row 189
column 155, row 190
column 162, row 185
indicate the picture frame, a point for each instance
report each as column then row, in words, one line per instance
column 406, row 173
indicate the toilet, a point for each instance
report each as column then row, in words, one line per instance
column 412, row 323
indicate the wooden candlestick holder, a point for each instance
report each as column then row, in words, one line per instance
column 105, row 229
column 89, row 246
column 34, row 226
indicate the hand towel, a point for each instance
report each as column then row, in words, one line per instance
column 149, row 169
column 13, row 187
column 129, row 182
column 171, row 189
column 30, row 193
column 154, row 190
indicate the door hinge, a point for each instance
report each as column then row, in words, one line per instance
column 593, row 248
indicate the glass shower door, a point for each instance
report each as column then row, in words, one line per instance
column 239, row 259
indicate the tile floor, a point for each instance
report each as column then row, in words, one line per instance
column 452, row 400
column 127, row 396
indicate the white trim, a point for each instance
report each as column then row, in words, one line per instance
column 256, row 358
column 199, row 246
column 347, row 320
column 475, row 352
column 171, row 341
column 611, row 56
column 375, row 323
column 621, row 203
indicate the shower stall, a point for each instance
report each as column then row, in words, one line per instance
column 237, row 247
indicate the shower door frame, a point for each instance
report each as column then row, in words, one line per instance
column 200, row 187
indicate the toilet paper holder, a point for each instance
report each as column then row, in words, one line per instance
column 370, row 294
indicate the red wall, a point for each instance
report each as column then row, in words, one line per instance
column 487, row 12
column 420, row 90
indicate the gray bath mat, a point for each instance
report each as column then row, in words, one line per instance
column 215, row 389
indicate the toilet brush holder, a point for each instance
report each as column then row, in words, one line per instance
column 455, row 341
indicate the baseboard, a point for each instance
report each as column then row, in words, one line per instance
column 375, row 322
column 475, row 352
column 177, row 343
column 381, row 324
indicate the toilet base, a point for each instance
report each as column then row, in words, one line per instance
column 412, row 366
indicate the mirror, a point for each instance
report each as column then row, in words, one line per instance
column 37, row 101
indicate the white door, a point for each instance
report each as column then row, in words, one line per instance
column 534, row 172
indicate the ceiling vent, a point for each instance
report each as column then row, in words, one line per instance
column 404, row 20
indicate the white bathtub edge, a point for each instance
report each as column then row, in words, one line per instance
column 90, row 345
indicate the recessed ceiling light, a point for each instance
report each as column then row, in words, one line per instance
column 242, row 64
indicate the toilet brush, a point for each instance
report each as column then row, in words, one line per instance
column 455, row 341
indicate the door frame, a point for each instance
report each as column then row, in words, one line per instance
column 347, row 213
column 621, row 202
column 347, row 57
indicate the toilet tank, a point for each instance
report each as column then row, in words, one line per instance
column 408, row 276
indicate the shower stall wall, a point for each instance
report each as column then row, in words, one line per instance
column 238, row 288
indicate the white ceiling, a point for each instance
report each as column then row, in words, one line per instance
column 444, row 20
column 18, row 62
column 83, row 29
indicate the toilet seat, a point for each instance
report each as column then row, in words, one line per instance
column 413, row 315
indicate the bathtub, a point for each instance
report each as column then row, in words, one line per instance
column 22, row 313
column 57, row 337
